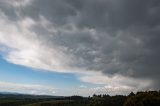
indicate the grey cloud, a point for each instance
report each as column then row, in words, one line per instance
column 110, row 36
column 8, row 10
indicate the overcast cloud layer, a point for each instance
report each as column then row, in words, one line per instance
column 112, row 37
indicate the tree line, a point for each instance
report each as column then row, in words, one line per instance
column 142, row 98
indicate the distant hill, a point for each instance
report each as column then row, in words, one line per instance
column 20, row 96
column 14, row 93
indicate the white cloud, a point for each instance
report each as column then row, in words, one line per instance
column 115, row 84
column 24, row 47
column 83, row 86
column 27, row 88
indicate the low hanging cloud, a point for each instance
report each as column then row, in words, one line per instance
column 116, row 84
column 112, row 37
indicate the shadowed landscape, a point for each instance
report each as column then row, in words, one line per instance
column 147, row 98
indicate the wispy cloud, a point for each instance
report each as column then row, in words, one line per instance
column 26, row 88
column 17, row 3
column 26, row 48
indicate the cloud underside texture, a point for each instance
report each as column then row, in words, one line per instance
column 112, row 37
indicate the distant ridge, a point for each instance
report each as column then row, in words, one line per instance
column 12, row 94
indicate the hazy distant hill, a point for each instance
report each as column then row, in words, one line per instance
column 22, row 96
column 9, row 93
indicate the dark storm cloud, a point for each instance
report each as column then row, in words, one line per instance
column 111, row 36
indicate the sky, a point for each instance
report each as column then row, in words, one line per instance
column 79, row 47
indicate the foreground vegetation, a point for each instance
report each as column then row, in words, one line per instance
column 147, row 98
